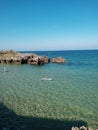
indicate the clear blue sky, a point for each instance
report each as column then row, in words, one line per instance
column 48, row 24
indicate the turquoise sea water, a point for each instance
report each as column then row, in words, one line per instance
column 72, row 95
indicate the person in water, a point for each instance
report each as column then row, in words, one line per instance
column 46, row 77
column 4, row 69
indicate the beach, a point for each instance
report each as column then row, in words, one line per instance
column 71, row 97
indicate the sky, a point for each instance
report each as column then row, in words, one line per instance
column 48, row 24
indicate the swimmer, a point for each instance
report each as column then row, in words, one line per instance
column 4, row 69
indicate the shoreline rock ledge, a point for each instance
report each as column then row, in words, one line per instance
column 13, row 57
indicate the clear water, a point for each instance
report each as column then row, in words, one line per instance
column 72, row 95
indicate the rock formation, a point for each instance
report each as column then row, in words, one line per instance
column 13, row 57
column 81, row 128
column 22, row 58
column 58, row 60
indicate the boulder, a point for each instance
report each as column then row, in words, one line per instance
column 17, row 60
column 44, row 59
column 81, row 128
column 58, row 60
column 74, row 128
column 33, row 61
column 39, row 60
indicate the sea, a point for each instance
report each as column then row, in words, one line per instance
column 71, row 98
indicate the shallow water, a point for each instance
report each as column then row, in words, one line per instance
column 72, row 95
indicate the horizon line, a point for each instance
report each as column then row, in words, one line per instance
column 57, row 50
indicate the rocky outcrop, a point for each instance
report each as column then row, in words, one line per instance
column 34, row 61
column 13, row 57
column 39, row 60
column 44, row 59
column 58, row 60
column 81, row 128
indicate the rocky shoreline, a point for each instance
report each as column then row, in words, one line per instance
column 13, row 57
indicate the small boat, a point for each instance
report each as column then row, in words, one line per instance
column 47, row 79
